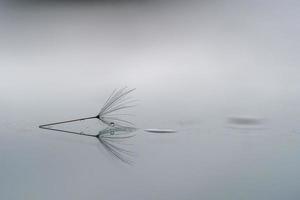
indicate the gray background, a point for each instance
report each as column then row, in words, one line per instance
column 194, row 64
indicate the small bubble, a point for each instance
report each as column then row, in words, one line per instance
column 112, row 132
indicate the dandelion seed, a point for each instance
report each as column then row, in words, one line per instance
column 117, row 129
column 119, row 100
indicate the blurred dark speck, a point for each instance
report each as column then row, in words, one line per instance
column 245, row 120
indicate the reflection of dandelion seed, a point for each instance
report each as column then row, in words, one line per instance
column 117, row 128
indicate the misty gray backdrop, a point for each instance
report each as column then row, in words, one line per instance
column 194, row 64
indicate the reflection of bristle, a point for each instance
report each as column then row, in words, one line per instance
column 118, row 152
column 114, row 135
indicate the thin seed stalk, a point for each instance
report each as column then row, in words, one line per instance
column 68, row 121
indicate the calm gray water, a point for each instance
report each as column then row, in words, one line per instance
column 224, row 74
